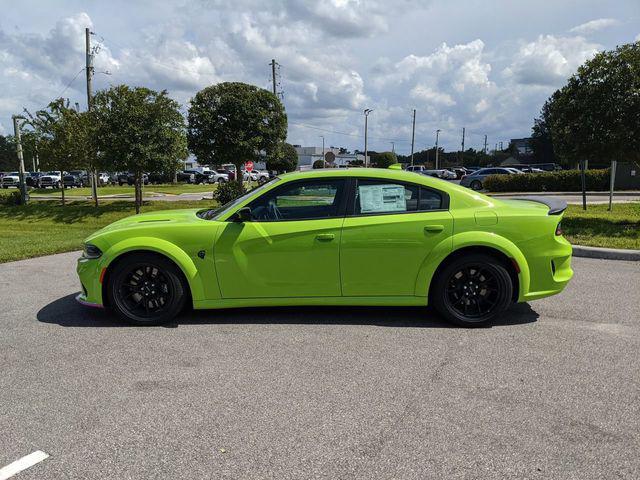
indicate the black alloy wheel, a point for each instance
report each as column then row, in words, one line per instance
column 146, row 289
column 472, row 290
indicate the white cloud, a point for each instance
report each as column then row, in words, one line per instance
column 595, row 25
column 428, row 95
column 549, row 60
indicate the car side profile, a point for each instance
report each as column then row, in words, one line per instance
column 332, row 237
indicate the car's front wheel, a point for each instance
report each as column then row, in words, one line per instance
column 146, row 289
column 472, row 290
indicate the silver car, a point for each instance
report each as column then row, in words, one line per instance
column 476, row 179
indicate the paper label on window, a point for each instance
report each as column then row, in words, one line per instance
column 382, row 198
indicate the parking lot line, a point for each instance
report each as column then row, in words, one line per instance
column 22, row 464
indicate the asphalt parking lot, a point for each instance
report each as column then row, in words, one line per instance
column 551, row 392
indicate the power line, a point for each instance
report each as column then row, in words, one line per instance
column 69, row 84
column 347, row 134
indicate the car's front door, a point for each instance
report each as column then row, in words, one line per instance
column 291, row 248
column 389, row 230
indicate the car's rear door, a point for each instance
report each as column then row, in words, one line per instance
column 390, row 229
column 292, row 246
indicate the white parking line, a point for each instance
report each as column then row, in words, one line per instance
column 22, row 464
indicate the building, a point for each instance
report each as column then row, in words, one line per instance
column 308, row 155
column 522, row 145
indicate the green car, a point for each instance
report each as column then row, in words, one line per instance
column 333, row 237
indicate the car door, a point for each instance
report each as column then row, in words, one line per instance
column 390, row 229
column 291, row 248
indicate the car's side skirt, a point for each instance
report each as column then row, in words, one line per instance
column 398, row 301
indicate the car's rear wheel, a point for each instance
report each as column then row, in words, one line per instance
column 476, row 185
column 146, row 289
column 472, row 290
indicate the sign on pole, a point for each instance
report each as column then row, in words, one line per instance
column 248, row 166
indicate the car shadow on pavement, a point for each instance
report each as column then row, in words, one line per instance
column 66, row 312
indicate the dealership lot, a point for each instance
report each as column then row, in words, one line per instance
column 552, row 392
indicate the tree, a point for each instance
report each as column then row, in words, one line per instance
column 8, row 157
column 232, row 122
column 139, row 130
column 286, row 159
column 318, row 164
column 541, row 141
column 384, row 159
column 61, row 134
column 596, row 116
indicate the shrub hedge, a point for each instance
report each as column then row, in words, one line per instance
column 562, row 181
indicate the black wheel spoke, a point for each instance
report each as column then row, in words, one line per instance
column 144, row 291
column 473, row 291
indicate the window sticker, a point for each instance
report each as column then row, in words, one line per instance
column 382, row 198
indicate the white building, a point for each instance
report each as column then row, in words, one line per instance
column 308, row 155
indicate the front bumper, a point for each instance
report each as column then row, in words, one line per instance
column 81, row 298
column 89, row 272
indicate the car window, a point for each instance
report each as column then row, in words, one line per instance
column 309, row 199
column 382, row 196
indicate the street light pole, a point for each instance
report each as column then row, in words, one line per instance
column 413, row 134
column 367, row 111
column 23, row 185
column 437, row 135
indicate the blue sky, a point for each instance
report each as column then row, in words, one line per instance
column 484, row 65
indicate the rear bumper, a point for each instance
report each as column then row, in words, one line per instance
column 550, row 271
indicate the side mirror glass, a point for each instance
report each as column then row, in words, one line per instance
column 243, row 215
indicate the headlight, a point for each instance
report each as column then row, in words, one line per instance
column 91, row 251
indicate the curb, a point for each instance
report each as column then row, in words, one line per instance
column 606, row 253
column 624, row 193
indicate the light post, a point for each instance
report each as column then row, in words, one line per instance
column 322, row 136
column 367, row 111
column 437, row 135
column 23, row 185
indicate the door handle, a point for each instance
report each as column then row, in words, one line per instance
column 325, row 237
column 433, row 228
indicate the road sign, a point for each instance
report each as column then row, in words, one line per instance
column 248, row 166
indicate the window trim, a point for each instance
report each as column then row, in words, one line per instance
column 342, row 205
column 354, row 185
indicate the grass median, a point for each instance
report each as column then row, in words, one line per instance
column 44, row 228
column 127, row 190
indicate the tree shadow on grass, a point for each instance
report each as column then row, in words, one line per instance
column 70, row 213
column 67, row 312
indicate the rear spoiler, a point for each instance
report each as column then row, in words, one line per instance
column 556, row 206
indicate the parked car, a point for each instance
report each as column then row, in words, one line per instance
column 260, row 176
column 33, row 179
column 333, row 237
column 474, row 180
column 186, row 177
column 51, row 179
column 75, row 178
column 129, row 178
column 416, row 168
column 440, row 173
column 215, row 176
column 103, row 179
column 11, row 179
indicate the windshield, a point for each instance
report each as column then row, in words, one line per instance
column 216, row 213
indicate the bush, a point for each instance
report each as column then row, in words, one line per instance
column 228, row 191
column 11, row 199
column 563, row 181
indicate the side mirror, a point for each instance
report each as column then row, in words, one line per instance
column 242, row 215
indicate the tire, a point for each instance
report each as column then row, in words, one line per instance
column 472, row 290
column 162, row 274
column 220, row 181
column 476, row 185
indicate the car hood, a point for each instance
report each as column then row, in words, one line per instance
column 151, row 220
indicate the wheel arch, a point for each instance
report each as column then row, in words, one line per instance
column 478, row 242
column 163, row 248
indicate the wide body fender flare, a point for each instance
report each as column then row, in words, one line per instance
column 472, row 239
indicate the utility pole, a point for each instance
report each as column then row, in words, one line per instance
column 500, row 146
column 367, row 111
column 273, row 75
column 437, row 134
column 89, row 71
column 413, row 134
column 462, row 154
column 322, row 136
column 393, row 147
column 23, row 185
column 485, row 145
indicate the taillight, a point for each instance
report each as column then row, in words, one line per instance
column 559, row 229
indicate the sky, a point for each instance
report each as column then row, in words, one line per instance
column 486, row 65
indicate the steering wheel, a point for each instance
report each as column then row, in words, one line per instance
column 273, row 211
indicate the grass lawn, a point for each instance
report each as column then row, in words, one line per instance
column 598, row 227
column 43, row 228
column 128, row 190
